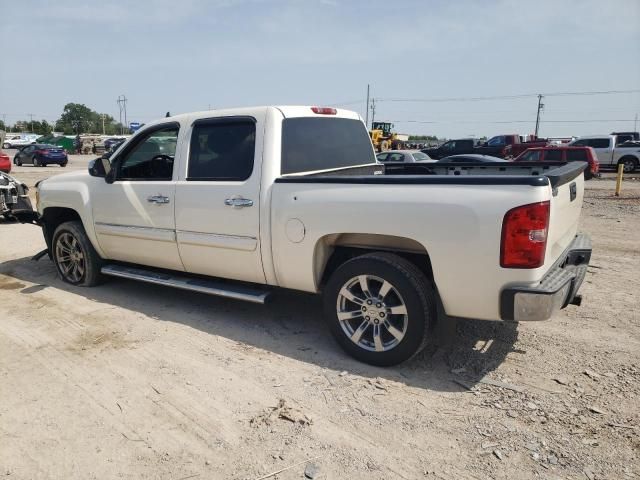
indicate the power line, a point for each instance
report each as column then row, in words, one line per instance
column 345, row 104
column 512, row 121
column 507, row 97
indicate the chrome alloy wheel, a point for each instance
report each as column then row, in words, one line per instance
column 70, row 258
column 372, row 313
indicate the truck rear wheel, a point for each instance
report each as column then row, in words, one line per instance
column 380, row 308
column 630, row 164
column 76, row 260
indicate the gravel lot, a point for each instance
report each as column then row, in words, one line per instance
column 137, row 381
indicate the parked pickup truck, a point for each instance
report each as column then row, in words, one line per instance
column 612, row 150
column 508, row 146
column 238, row 202
column 451, row 147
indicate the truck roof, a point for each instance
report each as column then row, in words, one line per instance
column 287, row 111
column 594, row 136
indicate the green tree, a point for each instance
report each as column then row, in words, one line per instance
column 76, row 118
column 431, row 138
column 41, row 127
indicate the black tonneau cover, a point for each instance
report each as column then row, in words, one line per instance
column 535, row 174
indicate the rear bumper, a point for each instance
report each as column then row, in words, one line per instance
column 57, row 160
column 558, row 288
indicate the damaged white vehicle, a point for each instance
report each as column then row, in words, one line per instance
column 14, row 198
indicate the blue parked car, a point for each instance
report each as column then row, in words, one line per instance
column 112, row 143
column 41, row 155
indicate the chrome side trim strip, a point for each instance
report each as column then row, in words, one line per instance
column 231, row 242
column 141, row 233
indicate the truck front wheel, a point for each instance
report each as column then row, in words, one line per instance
column 76, row 260
column 380, row 308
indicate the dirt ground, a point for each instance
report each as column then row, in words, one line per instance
column 128, row 380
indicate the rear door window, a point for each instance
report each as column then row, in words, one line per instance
column 599, row 143
column 553, row 155
column 382, row 157
column 222, row 150
column 531, row 156
column 396, row 157
column 577, row 156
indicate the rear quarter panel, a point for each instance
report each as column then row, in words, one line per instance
column 458, row 226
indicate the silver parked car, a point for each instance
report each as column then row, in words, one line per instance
column 406, row 156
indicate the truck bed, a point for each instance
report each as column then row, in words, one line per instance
column 521, row 173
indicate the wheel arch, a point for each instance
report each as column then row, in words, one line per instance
column 52, row 217
column 333, row 250
column 629, row 156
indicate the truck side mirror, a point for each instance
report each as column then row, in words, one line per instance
column 100, row 167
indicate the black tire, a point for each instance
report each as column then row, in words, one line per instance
column 18, row 162
column 630, row 164
column 35, row 162
column 91, row 261
column 6, row 146
column 409, row 285
column 63, row 164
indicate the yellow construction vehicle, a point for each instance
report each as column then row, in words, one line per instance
column 384, row 139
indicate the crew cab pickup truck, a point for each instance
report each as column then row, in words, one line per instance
column 239, row 202
column 612, row 150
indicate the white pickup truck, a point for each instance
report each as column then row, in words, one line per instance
column 612, row 150
column 239, row 202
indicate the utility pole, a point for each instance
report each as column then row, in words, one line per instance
column 635, row 123
column 31, row 127
column 102, row 115
column 373, row 111
column 122, row 105
column 540, row 107
column 367, row 114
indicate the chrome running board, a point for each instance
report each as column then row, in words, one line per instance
column 194, row 284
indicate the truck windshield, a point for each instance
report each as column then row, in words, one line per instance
column 310, row 144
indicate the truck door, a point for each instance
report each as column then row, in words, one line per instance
column 604, row 149
column 133, row 216
column 218, row 200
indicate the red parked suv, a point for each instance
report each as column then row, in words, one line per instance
column 5, row 162
column 559, row 153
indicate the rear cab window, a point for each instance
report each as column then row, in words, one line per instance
column 420, row 157
column 312, row 144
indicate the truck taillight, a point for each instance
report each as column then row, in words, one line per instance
column 524, row 236
column 324, row 110
column 41, row 152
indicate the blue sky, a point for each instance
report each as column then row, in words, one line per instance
column 181, row 56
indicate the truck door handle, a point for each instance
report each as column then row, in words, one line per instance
column 158, row 199
column 238, row 202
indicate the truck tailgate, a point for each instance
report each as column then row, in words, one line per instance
column 567, row 185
